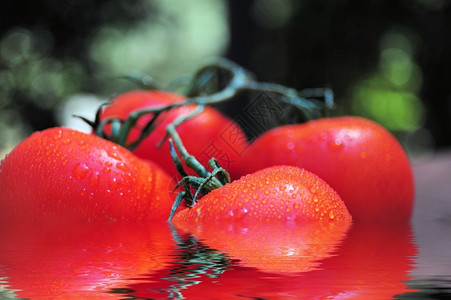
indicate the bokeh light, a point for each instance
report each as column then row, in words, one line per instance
column 389, row 95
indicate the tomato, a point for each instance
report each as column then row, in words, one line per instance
column 360, row 159
column 80, row 261
column 209, row 134
column 279, row 193
column 63, row 174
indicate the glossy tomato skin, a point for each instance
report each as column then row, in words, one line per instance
column 209, row 134
column 282, row 194
column 360, row 159
column 60, row 173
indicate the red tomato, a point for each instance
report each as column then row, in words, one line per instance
column 80, row 261
column 64, row 174
column 280, row 193
column 361, row 160
column 209, row 134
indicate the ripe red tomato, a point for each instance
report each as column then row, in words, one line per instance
column 280, row 193
column 209, row 134
column 80, row 261
column 360, row 159
column 60, row 173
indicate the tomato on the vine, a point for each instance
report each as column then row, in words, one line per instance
column 275, row 194
column 360, row 159
column 209, row 134
column 63, row 174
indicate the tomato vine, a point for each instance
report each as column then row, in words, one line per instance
column 305, row 102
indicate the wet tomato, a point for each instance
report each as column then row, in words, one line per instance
column 360, row 159
column 63, row 174
column 275, row 194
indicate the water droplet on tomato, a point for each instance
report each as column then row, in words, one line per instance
column 121, row 166
column 331, row 215
column 58, row 135
column 80, row 170
column 114, row 183
column 94, row 179
column 336, row 144
column 113, row 154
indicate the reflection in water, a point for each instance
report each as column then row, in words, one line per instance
column 272, row 247
column 371, row 263
column 157, row 261
column 79, row 261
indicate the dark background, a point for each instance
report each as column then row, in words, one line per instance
column 323, row 43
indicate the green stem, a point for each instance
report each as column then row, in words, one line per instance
column 189, row 159
column 240, row 81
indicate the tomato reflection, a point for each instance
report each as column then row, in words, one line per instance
column 80, row 261
column 273, row 247
column 158, row 261
column 371, row 263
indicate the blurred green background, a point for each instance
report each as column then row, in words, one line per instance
column 389, row 61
